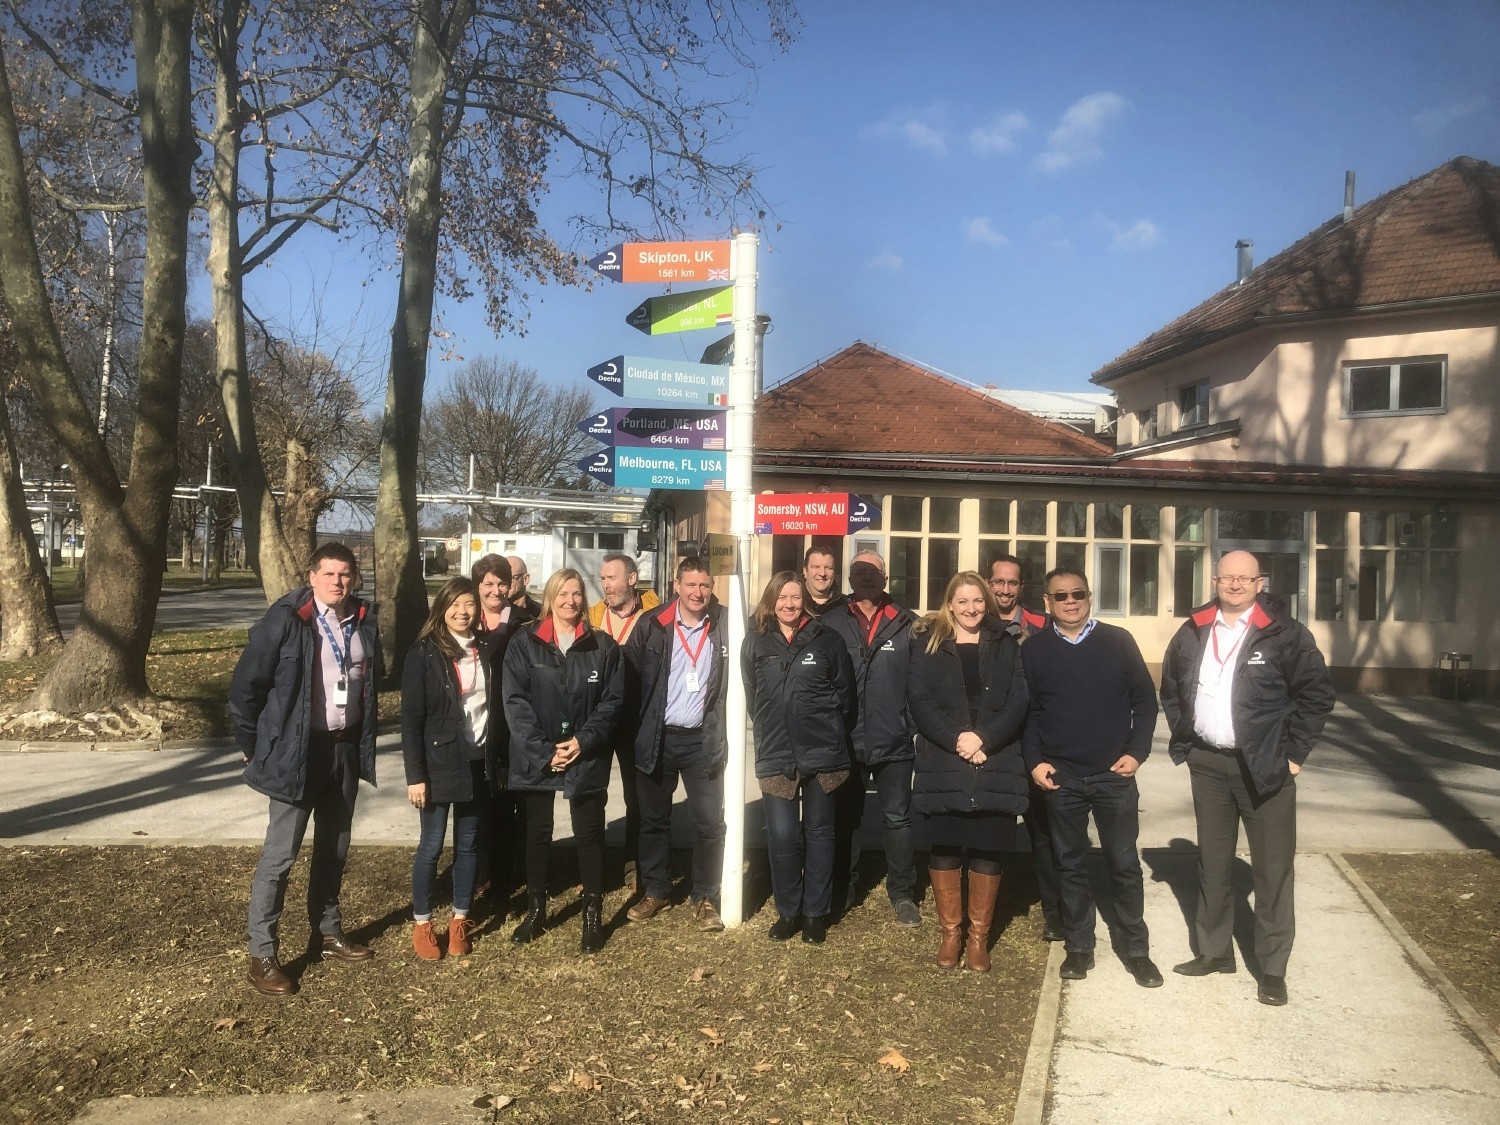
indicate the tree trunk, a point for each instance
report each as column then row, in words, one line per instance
column 399, row 588
column 28, row 621
column 273, row 558
column 302, row 501
column 104, row 664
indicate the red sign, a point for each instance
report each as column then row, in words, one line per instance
column 812, row 513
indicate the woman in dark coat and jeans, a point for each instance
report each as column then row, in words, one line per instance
column 799, row 688
column 967, row 696
column 564, row 693
column 450, row 741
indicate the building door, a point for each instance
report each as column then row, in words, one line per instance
column 1283, row 564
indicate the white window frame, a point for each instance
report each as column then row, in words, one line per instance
column 1394, row 391
column 1198, row 415
column 1147, row 427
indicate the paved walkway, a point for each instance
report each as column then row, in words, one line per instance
column 1367, row 1038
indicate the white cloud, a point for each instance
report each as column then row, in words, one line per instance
column 982, row 231
column 1443, row 116
column 1076, row 138
column 885, row 260
column 921, row 128
column 1141, row 236
column 1000, row 134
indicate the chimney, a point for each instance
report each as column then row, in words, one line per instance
column 1244, row 260
column 1348, row 195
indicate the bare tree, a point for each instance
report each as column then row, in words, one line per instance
column 28, row 619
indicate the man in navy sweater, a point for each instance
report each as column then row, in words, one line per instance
column 1093, row 710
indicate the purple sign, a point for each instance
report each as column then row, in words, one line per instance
column 658, row 428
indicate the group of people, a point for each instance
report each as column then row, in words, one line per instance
column 977, row 716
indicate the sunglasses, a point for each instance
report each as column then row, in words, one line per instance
column 1069, row 596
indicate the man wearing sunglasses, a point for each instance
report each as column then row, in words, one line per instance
column 1092, row 713
column 1246, row 694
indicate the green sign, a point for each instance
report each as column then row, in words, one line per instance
column 684, row 312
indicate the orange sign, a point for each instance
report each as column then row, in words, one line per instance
column 664, row 261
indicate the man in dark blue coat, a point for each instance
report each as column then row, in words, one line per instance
column 302, row 703
column 877, row 633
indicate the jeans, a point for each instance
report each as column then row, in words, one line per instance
column 893, row 795
column 327, row 801
column 588, row 833
column 468, row 826
column 682, row 757
column 1115, row 804
column 1039, row 831
column 799, row 838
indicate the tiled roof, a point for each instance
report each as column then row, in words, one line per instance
column 1435, row 238
column 866, row 401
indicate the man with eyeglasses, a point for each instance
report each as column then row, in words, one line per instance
column 1092, row 713
column 1246, row 694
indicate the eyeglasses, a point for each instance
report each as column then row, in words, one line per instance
column 1069, row 596
column 1237, row 579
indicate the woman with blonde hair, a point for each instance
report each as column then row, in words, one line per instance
column 564, row 694
column 450, row 743
column 967, row 697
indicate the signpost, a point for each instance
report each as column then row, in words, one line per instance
column 641, row 426
column 664, row 261
column 664, row 380
column 657, row 468
column 721, row 351
column 812, row 513
column 683, row 312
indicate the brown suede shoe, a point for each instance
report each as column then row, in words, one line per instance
column 337, row 947
column 266, row 975
column 648, row 908
column 459, row 944
column 424, row 942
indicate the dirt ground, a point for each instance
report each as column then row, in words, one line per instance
column 1449, row 902
column 121, row 972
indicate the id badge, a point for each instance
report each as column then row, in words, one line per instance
column 691, row 680
column 339, row 696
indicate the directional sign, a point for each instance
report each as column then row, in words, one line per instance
column 664, row 261
column 720, row 351
column 657, row 468
column 643, row 427
column 814, row 513
column 663, row 380
column 683, row 312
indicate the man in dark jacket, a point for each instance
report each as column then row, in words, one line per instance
column 1246, row 694
column 820, row 574
column 877, row 633
column 1093, row 711
column 678, row 657
column 302, row 702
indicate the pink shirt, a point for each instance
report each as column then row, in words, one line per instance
column 327, row 715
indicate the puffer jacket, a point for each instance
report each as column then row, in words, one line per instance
column 543, row 688
column 801, row 698
column 883, row 730
column 939, row 704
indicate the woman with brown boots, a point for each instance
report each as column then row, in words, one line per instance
column 967, row 696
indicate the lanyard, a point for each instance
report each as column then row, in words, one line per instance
column 458, row 671
column 1222, row 660
column 624, row 632
column 682, row 640
column 342, row 656
column 872, row 626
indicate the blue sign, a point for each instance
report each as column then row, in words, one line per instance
column 663, row 380
column 656, row 428
column 861, row 514
column 657, row 468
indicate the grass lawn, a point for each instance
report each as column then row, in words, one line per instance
column 121, row 972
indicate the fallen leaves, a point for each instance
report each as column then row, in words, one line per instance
column 712, row 1035
column 895, row 1060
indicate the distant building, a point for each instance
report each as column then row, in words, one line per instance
column 1088, row 412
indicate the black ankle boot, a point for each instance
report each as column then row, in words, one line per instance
column 534, row 923
column 593, row 924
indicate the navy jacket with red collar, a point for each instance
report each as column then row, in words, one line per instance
column 648, row 656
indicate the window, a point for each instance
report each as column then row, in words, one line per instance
column 1031, row 517
column 1145, row 579
column 1408, row 566
column 994, row 517
column 1109, row 579
column 1331, row 532
column 1189, row 580
column 1192, row 405
column 1033, row 556
column 1109, row 521
column 1072, row 519
column 1252, row 523
column 1408, row 387
column 1145, row 426
column 611, row 541
column 580, row 540
column 923, row 548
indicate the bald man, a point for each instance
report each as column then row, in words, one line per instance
column 1246, row 694
column 520, row 579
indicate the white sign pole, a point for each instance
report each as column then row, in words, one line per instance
column 741, row 451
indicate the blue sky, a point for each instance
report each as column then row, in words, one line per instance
column 1016, row 193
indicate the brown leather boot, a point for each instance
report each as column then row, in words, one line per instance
column 983, row 891
column 948, row 901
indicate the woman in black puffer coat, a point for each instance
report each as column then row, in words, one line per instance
column 967, row 696
column 799, row 689
column 564, row 695
column 451, row 732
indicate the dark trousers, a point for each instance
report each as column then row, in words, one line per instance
column 1039, row 831
column 1114, row 802
column 1221, row 800
column 502, row 854
column 327, row 801
column 588, row 833
column 681, row 756
column 893, row 795
column 468, row 828
column 799, row 839
column 625, row 755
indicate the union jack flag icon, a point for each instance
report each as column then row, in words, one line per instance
column 718, row 275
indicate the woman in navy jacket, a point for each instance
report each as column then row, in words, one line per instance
column 564, row 694
column 799, row 688
column 450, row 741
column 967, row 696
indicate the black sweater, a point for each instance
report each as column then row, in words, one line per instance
column 1091, row 703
